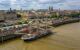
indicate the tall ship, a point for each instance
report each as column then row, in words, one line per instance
column 33, row 33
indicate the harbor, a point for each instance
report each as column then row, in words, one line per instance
column 65, row 38
column 39, row 25
column 14, row 31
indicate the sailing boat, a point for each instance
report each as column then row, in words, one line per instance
column 36, row 33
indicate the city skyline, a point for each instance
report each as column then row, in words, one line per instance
column 40, row 4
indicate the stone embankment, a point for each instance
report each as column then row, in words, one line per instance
column 59, row 22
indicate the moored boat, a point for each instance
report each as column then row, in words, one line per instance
column 35, row 34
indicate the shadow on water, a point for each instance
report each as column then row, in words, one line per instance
column 7, row 41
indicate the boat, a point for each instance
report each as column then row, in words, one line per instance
column 35, row 34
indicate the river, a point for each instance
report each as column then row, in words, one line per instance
column 66, row 37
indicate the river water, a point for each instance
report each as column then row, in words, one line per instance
column 66, row 37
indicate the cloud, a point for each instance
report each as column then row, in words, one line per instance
column 37, row 4
column 4, row 4
column 50, row 1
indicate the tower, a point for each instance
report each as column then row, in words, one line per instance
column 10, row 10
column 50, row 8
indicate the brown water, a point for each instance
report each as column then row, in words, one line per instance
column 67, row 37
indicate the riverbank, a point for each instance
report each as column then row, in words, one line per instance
column 59, row 22
column 67, row 37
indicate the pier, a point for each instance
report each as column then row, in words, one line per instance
column 11, row 32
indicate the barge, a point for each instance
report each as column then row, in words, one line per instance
column 7, row 33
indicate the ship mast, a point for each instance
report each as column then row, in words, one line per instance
column 29, row 24
column 37, row 22
column 46, row 23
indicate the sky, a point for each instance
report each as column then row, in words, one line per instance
column 39, row 4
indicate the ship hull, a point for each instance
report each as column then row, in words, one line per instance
column 37, row 36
